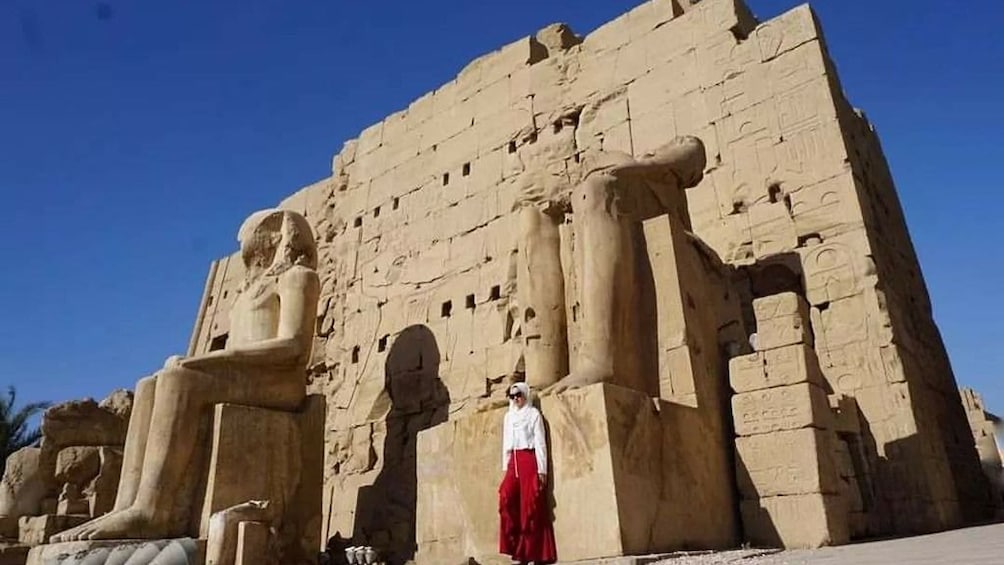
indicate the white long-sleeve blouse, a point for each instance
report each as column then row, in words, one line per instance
column 524, row 429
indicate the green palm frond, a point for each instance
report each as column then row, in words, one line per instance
column 14, row 430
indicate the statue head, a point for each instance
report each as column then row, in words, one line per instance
column 274, row 240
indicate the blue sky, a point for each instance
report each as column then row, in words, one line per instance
column 135, row 137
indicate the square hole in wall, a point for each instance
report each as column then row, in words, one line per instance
column 219, row 342
column 446, row 179
column 470, row 301
column 447, row 309
column 355, row 354
column 382, row 344
column 396, row 203
column 358, row 222
column 512, row 147
column 495, row 293
column 466, row 170
column 376, row 212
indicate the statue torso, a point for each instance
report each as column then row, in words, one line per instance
column 255, row 313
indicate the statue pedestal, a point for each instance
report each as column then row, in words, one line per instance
column 629, row 476
column 185, row 551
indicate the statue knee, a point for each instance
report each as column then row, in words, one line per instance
column 175, row 382
column 146, row 383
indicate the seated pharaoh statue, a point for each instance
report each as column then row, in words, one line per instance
column 262, row 366
column 606, row 194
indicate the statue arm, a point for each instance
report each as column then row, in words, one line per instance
column 299, row 290
column 684, row 158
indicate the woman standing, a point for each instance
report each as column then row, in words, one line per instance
column 525, row 532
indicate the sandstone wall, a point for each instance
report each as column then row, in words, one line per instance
column 417, row 243
column 984, row 426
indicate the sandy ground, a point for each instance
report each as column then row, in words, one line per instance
column 982, row 545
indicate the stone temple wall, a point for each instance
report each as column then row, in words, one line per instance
column 417, row 241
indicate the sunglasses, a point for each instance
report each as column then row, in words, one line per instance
column 515, row 395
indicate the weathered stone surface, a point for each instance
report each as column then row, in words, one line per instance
column 223, row 545
column 77, row 465
column 619, row 462
column 782, row 320
column 72, row 501
column 36, row 530
column 788, row 365
column 782, row 408
column 255, row 456
column 786, row 463
column 82, row 422
column 102, row 490
column 799, row 521
column 27, row 479
column 119, row 402
column 184, row 551
column 984, row 426
column 420, row 226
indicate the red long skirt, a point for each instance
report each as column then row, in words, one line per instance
column 525, row 531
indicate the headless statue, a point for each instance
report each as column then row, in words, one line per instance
column 271, row 335
column 615, row 191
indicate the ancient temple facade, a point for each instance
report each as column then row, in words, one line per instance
column 779, row 377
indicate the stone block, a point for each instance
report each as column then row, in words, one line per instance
column 72, row 501
column 786, row 32
column 27, row 480
column 788, row 365
column 801, row 521
column 840, row 267
column 261, row 454
column 252, row 543
column 83, row 422
column 36, row 530
column 628, row 477
column 77, row 465
column 255, row 456
column 826, row 208
column 786, row 463
column 793, row 364
column 748, row 372
column 782, row 408
column 782, row 319
column 104, row 488
column 772, row 228
column 779, row 306
column 119, row 402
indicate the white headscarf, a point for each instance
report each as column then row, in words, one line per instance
column 520, row 414
column 526, row 424
column 525, row 389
